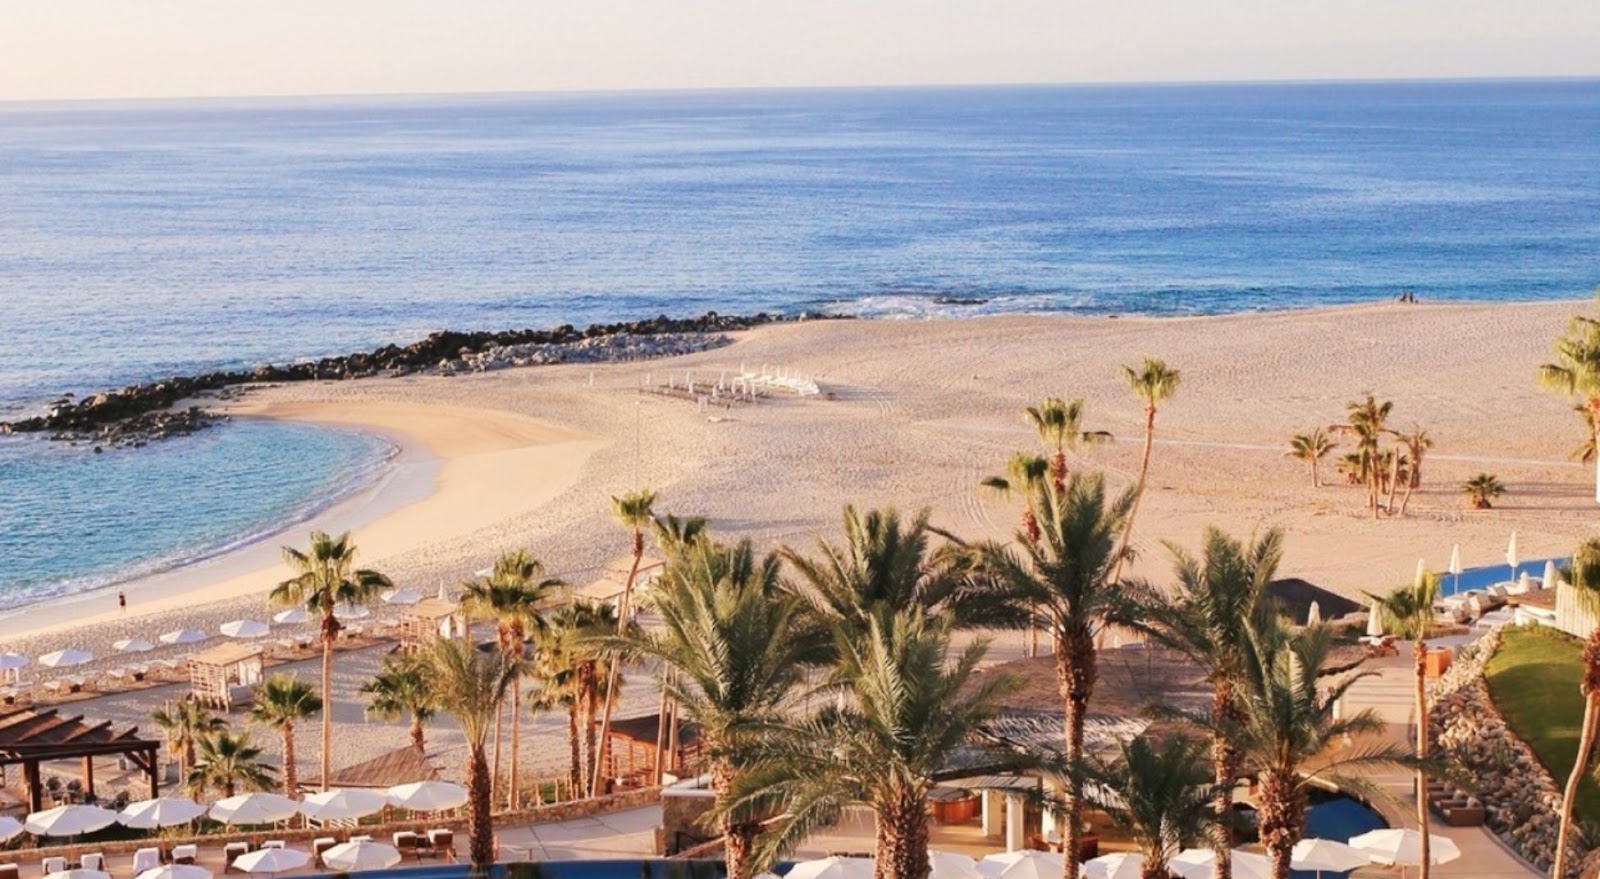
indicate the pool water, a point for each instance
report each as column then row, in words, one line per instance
column 635, row 868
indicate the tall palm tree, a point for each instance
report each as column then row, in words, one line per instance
column 326, row 577
column 227, row 761
column 185, row 722
column 1059, row 424
column 1408, row 612
column 1158, row 793
column 1585, row 584
column 1153, row 382
column 737, row 648
column 1023, row 470
column 1208, row 617
column 675, row 534
column 570, row 664
column 1482, row 489
column 514, row 596
column 1367, row 420
column 1289, row 734
column 402, row 688
column 910, row 706
column 1416, row 444
column 1311, row 448
column 635, row 512
column 1069, row 573
column 1575, row 372
column 281, row 702
column 472, row 685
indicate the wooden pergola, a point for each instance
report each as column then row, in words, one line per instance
column 428, row 619
column 213, row 673
column 630, row 748
column 29, row 737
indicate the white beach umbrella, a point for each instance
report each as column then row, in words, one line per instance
column 402, row 596
column 12, row 661
column 1026, row 864
column 255, row 808
column 1524, row 583
column 69, row 820
column 294, row 616
column 132, row 645
column 1197, row 863
column 351, row 612
column 832, row 868
column 64, row 658
column 78, row 874
column 160, row 812
column 1120, row 865
column 1374, row 622
column 1511, row 553
column 1551, row 575
column 361, row 855
column 1314, row 614
column 1403, row 848
column 1422, row 571
column 1455, row 565
column 176, row 871
column 183, row 636
column 428, row 796
column 952, row 865
column 1327, row 856
column 341, row 804
column 272, row 860
column 245, row 629
column 10, row 828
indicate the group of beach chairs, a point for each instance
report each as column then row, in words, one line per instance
column 438, row 843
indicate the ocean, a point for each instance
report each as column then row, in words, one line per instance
column 141, row 239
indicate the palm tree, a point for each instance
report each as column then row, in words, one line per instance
column 909, row 706
column 513, row 595
column 635, row 512
column 1416, row 444
column 1575, row 372
column 325, row 577
column 1154, row 383
column 1208, row 617
column 1059, row 424
column 1584, row 580
column 569, row 661
column 1311, row 448
column 472, row 685
column 1069, row 573
column 1482, row 489
column 228, row 761
column 675, row 535
column 281, row 702
column 1408, row 612
column 1367, row 420
column 737, row 649
column 185, row 722
column 1159, row 794
column 402, row 688
column 1287, row 731
column 1022, row 470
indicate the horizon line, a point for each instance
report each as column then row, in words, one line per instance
column 11, row 103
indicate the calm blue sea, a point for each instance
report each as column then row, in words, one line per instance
column 141, row 239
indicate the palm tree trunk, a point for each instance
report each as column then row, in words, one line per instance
column 516, row 744
column 1394, row 479
column 1591, row 705
column 330, row 631
column 1138, row 491
column 1075, row 672
column 499, row 724
column 1223, row 760
column 418, row 737
column 289, row 779
column 661, row 736
column 902, row 838
column 1405, row 499
column 591, row 774
column 480, row 806
column 1316, row 481
column 738, row 837
column 623, row 610
column 1422, row 754
column 575, row 772
column 1283, row 819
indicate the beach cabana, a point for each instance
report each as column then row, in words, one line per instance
column 428, row 619
column 214, row 673
column 403, row 765
column 630, row 749
column 31, row 737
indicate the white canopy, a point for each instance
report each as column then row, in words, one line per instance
column 952, row 865
column 78, row 874
column 176, row 871
column 294, row 616
column 184, row 636
column 1196, row 863
column 1327, row 856
column 428, row 796
column 10, row 828
column 12, row 660
column 245, row 629
column 832, row 868
column 351, row 612
column 1403, row 848
column 1026, row 864
column 132, row 645
column 64, row 658
column 401, row 596
column 1120, row 865
column 272, row 860
column 361, row 855
column 69, row 820
column 160, row 812
column 255, row 808
column 341, row 804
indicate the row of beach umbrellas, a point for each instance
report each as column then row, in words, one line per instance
column 361, row 854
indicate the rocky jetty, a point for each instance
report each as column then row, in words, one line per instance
column 1519, row 796
column 129, row 414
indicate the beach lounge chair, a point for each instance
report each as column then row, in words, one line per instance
column 146, row 859
column 10, row 871
column 232, row 851
column 362, row 838
column 93, row 861
column 275, row 843
column 443, row 843
column 320, row 845
column 408, row 843
column 53, row 865
column 185, row 854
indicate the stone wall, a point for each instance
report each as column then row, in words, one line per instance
column 1522, row 801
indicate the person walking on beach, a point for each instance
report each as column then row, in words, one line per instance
column 122, row 601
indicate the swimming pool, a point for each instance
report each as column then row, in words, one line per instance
column 1483, row 578
column 634, row 868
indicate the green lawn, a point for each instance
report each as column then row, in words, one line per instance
column 1534, row 681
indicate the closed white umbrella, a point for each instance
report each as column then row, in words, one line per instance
column 361, row 855
column 255, row 808
column 342, row 804
column 272, row 860
column 183, row 636
column 68, row 657
column 245, row 629
column 1374, row 622
column 1403, row 848
column 69, row 820
column 160, row 812
column 1121, row 865
column 176, row 871
column 952, row 865
column 132, row 645
column 401, row 596
column 1524, row 583
column 78, row 874
column 1197, row 863
column 1327, row 856
column 1551, row 575
column 294, row 616
column 1511, row 554
column 1455, row 566
column 428, row 796
column 10, row 828
column 1314, row 614
column 1026, row 864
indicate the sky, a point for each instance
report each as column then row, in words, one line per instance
column 76, row 49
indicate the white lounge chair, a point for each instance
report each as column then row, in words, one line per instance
column 146, row 859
